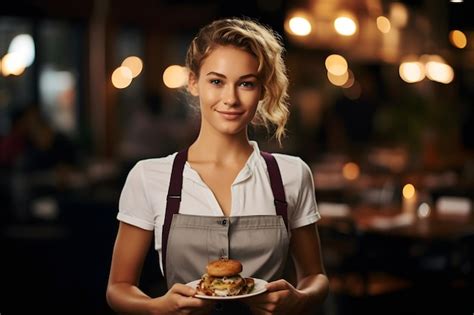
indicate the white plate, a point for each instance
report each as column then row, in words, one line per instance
column 258, row 288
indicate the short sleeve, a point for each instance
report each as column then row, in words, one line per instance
column 305, row 209
column 134, row 207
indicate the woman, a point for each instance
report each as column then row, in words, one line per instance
column 222, row 197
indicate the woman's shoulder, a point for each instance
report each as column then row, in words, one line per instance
column 293, row 168
column 286, row 160
column 160, row 164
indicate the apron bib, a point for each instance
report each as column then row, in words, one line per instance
column 189, row 242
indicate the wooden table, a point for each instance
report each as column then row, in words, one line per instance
column 435, row 226
column 405, row 248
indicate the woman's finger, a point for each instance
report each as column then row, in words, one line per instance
column 183, row 289
column 277, row 285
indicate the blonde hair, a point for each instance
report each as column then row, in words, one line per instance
column 266, row 46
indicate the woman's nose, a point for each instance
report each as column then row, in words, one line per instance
column 230, row 96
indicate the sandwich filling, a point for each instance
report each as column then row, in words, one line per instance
column 225, row 286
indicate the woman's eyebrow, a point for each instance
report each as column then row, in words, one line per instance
column 216, row 74
column 250, row 75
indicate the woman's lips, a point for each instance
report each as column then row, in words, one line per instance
column 230, row 115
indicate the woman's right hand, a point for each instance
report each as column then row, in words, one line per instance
column 180, row 300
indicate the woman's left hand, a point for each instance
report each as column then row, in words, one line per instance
column 280, row 298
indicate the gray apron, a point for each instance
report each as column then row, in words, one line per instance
column 189, row 242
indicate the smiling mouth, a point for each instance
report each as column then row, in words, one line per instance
column 230, row 115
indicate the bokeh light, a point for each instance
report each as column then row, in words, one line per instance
column 383, row 24
column 345, row 25
column 23, row 47
column 135, row 65
column 350, row 171
column 412, row 71
column 398, row 14
column 458, row 39
column 299, row 26
column 12, row 64
column 439, row 72
column 122, row 77
column 175, row 76
column 423, row 210
column 336, row 64
column 338, row 80
column 408, row 191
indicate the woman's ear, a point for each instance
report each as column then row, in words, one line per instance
column 193, row 84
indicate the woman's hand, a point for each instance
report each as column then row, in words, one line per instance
column 280, row 298
column 180, row 300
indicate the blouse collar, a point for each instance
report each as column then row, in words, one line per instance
column 245, row 173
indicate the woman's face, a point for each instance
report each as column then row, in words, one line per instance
column 228, row 89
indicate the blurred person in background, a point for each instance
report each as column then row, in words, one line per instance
column 12, row 147
column 13, row 144
column 265, row 202
column 42, row 160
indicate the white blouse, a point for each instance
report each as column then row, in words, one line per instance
column 143, row 198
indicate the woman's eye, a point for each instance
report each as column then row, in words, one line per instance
column 247, row 84
column 215, row 81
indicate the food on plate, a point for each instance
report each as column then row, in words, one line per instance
column 223, row 279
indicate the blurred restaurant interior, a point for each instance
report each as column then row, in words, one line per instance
column 382, row 110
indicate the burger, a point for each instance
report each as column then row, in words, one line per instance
column 223, row 279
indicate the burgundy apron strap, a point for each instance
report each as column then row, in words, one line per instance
column 277, row 186
column 172, row 201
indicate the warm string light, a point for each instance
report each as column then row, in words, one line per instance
column 338, row 80
column 411, row 70
column 336, row 64
column 433, row 67
column 345, row 25
column 398, row 14
column 135, row 65
column 409, row 199
column 339, row 73
column 408, row 191
column 130, row 68
column 383, row 24
column 299, row 26
column 458, row 39
column 12, row 64
column 439, row 72
column 351, row 171
column 122, row 77
column 175, row 76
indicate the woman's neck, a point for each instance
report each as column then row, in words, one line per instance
column 218, row 148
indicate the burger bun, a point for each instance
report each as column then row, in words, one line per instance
column 224, row 268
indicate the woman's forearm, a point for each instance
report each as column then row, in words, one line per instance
column 125, row 298
column 315, row 289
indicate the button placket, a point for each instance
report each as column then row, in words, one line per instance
column 224, row 225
